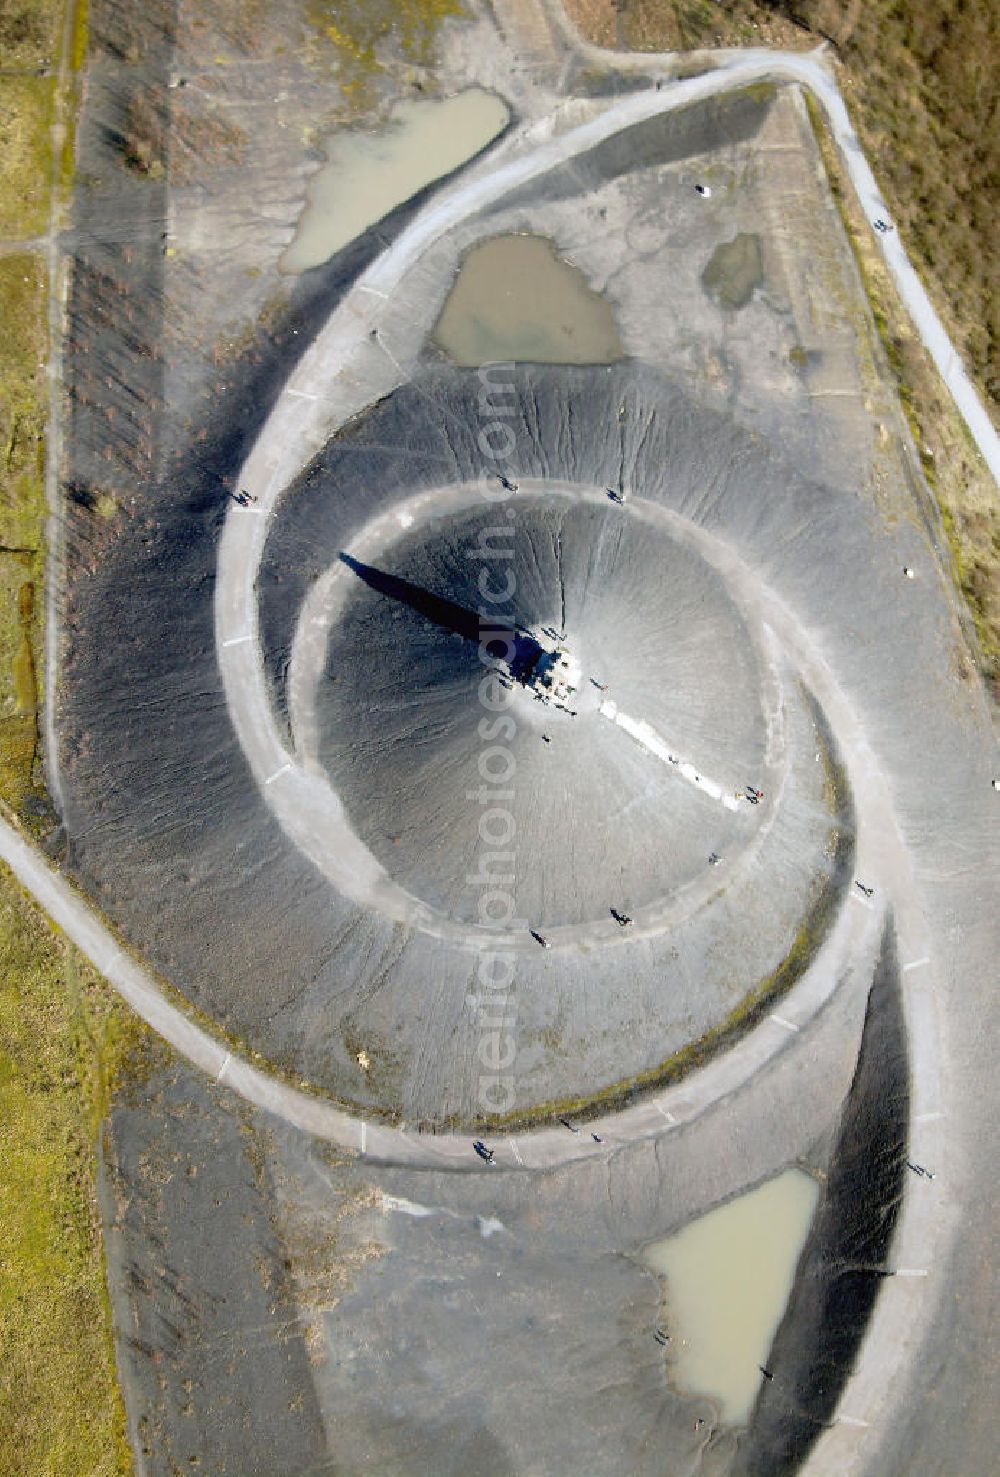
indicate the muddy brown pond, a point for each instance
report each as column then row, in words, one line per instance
column 728, row 1276
column 368, row 174
column 516, row 299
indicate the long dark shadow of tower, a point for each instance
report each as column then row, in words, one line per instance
column 518, row 650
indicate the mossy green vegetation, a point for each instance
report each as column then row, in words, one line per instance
column 26, row 109
column 65, row 1041
column 735, row 270
column 29, row 33
column 78, row 47
column 22, row 522
column 64, row 1036
column 358, row 29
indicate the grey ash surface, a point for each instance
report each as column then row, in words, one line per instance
column 210, row 1344
column 321, row 979
column 849, row 1249
column 800, row 465
column 285, row 1309
column 597, row 821
column 161, row 803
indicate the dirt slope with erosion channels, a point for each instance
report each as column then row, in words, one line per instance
column 159, row 796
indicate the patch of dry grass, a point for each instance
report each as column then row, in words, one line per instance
column 26, row 108
column 22, row 520
column 29, row 32
column 358, row 30
column 920, row 84
column 64, row 1036
column 64, row 1039
column 957, row 474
